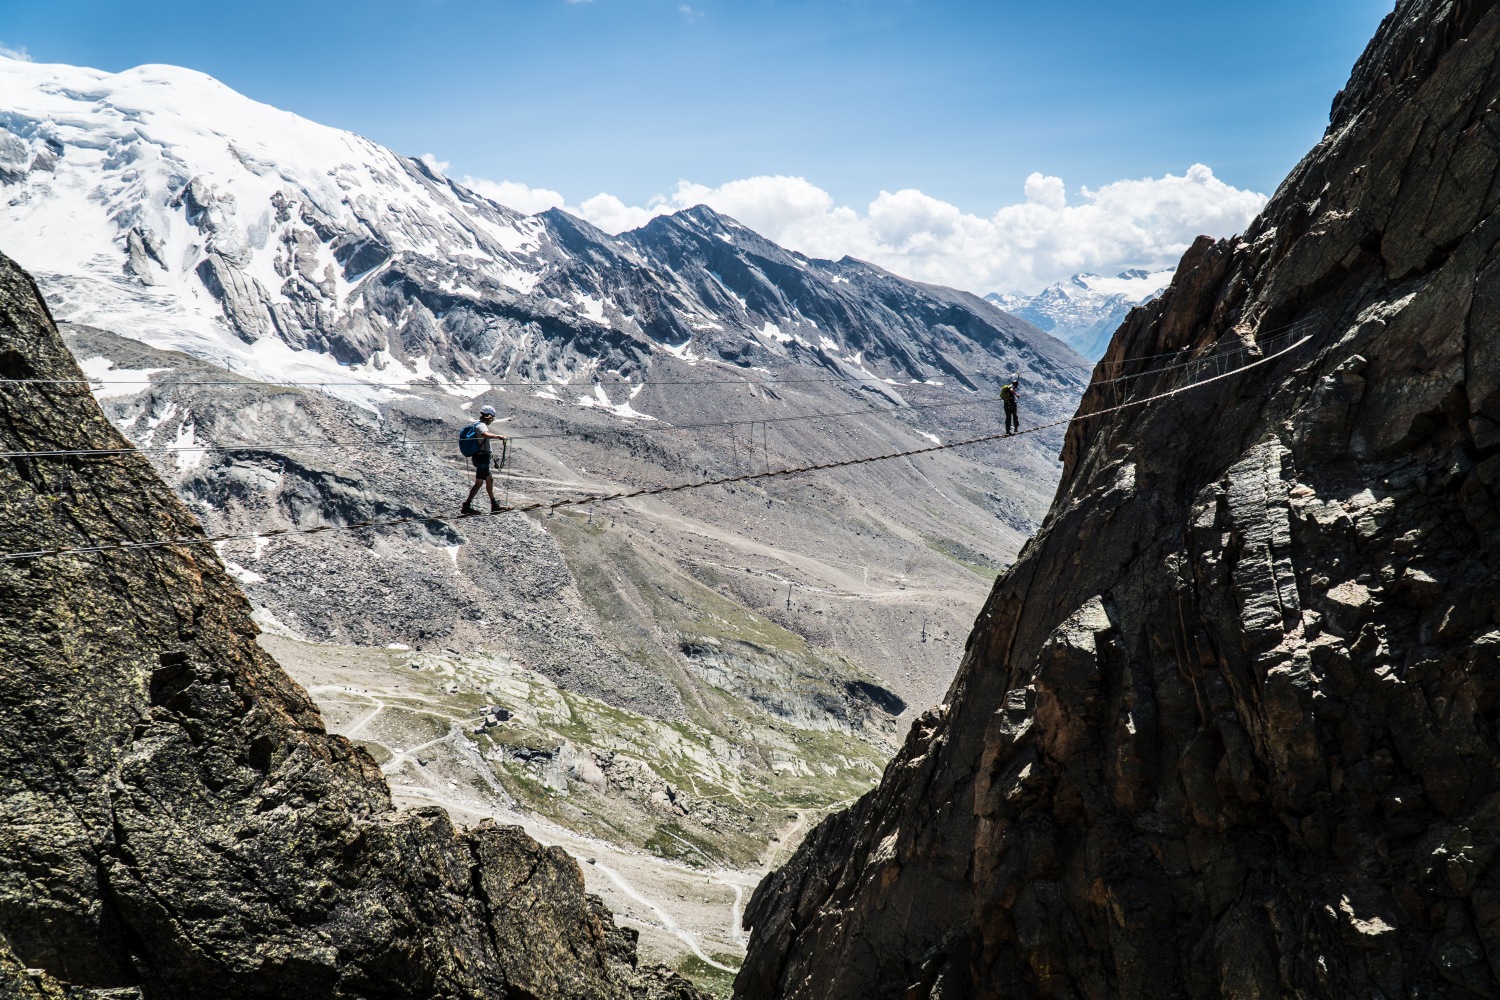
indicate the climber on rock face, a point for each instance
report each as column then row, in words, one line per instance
column 1008, row 397
column 474, row 441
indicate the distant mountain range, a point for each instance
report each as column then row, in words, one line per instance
column 1087, row 308
column 161, row 202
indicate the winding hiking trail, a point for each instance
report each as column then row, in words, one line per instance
column 688, row 938
column 786, row 840
column 412, row 780
column 552, row 835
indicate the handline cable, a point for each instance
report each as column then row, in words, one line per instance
column 433, row 384
column 481, row 384
column 653, row 428
column 628, row 494
column 657, row 428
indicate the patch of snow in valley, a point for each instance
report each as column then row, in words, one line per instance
column 185, row 446
column 591, row 307
column 242, row 574
column 234, row 569
column 600, row 400
column 774, row 332
column 524, row 282
column 680, row 351
column 116, row 382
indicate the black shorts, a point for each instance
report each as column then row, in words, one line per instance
column 481, row 466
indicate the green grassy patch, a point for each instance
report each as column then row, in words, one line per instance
column 676, row 843
column 714, row 982
column 974, row 561
column 381, row 754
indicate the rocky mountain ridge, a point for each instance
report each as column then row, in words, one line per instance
column 161, row 202
column 1228, row 728
column 177, row 821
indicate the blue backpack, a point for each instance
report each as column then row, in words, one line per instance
column 469, row 441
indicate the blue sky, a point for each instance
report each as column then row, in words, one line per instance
column 960, row 101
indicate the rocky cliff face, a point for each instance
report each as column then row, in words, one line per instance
column 174, row 819
column 1228, row 728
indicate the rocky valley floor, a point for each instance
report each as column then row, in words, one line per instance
column 678, row 869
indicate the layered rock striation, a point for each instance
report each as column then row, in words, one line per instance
column 174, row 819
column 1228, row 728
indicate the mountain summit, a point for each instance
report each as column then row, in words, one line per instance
column 1086, row 309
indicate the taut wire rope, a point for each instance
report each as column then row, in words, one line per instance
column 1216, row 358
column 191, row 540
column 647, row 428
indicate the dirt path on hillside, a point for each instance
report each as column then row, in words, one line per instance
column 677, row 909
column 664, row 901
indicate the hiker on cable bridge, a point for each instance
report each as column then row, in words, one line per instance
column 1008, row 397
column 474, row 441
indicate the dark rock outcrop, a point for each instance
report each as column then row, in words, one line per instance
column 174, row 819
column 1228, row 728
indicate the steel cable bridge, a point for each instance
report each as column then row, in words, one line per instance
column 1193, row 373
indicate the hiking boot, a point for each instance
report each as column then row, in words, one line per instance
column 495, row 508
column 467, row 511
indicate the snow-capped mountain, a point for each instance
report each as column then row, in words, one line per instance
column 1085, row 310
column 160, row 203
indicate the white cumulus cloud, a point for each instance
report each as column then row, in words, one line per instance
column 17, row 53
column 514, row 195
column 1024, row 246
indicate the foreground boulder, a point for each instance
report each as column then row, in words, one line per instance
column 174, row 819
column 1228, row 728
